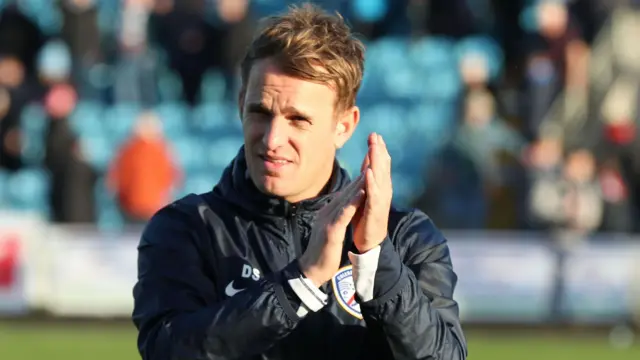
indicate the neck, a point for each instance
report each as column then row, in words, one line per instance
column 322, row 187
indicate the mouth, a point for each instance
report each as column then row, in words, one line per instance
column 274, row 163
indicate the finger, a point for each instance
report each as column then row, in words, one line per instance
column 349, row 211
column 371, row 187
column 377, row 156
column 373, row 138
column 382, row 170
column 365, row 163
column 342, row 198
column 350, row 191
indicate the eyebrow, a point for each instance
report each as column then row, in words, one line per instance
column 261, row 108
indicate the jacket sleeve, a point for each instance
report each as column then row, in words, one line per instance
column 412, row 304
column 177, row 311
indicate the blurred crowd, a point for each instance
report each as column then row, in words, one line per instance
column 543, row 130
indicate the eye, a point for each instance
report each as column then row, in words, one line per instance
column 299, row 118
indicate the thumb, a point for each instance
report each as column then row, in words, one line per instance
column 350, row 209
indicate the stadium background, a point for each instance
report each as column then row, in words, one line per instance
column 512, row 123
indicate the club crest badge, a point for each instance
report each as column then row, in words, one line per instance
column 344, row 289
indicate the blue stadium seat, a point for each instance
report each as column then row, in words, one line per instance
column 33, row 118
column 87, row 119
column 429, row 126
column 388, row 53
column 431, row 120
column 169, row 85
column 234, row 122
column 211, row 119
column 354, row 151
column 189, row 153
column 369, row 10
column 528, row 18
column 390, row 121
column 407, row 186
column 444, row 84
column 351, row 156
column 174, row 117
column 110, row 219
column 34, row 123
column 403, row 82
column 109, row 13
column 220, row 152
column 33, row 148
column 109, row 216
column 120, row 119
column 390, row 70
column 28, row 189
column 370, row 89
column 4, row 191
column 199, row 182
column 44, row 13
column 98, row 150
column 213, row 88
column 435, row 70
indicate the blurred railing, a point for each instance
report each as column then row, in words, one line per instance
column 504, row 277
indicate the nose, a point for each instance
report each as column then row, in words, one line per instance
column 275, row 134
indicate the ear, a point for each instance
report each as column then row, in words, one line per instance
column 346, row 125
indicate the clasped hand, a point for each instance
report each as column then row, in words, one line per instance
column 365, row 203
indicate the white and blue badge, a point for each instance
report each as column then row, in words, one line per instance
column 344, row 289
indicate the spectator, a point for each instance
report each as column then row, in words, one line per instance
column 474, row 71
column 73, row 180
column 80, row 30
column 483, row 135
column 19, row 37
column 10, row 136
column 556, row 61
column 135, row 78
column 567, row 201
column 454, row 195
column 619, row 214
column 12, row 78
column 54, row 66
column 234, row 31
column 565, row 198
column 619, row 114
column 469, row 169
column 582, row 200
column 188, row 39
column 143, row 173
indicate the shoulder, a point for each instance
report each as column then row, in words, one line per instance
column 182, row 220
column 411, row 229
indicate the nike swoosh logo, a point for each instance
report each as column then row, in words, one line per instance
column 230, row 290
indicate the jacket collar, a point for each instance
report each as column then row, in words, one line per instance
column 236, row 186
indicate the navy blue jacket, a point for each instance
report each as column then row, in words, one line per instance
column 213, row 273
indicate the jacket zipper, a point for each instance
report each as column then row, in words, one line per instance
column 293, row 226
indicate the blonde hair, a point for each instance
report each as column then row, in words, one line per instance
column 312, row 45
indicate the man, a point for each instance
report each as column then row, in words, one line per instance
column 260, row 268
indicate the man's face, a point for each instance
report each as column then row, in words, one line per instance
column 291, row 132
